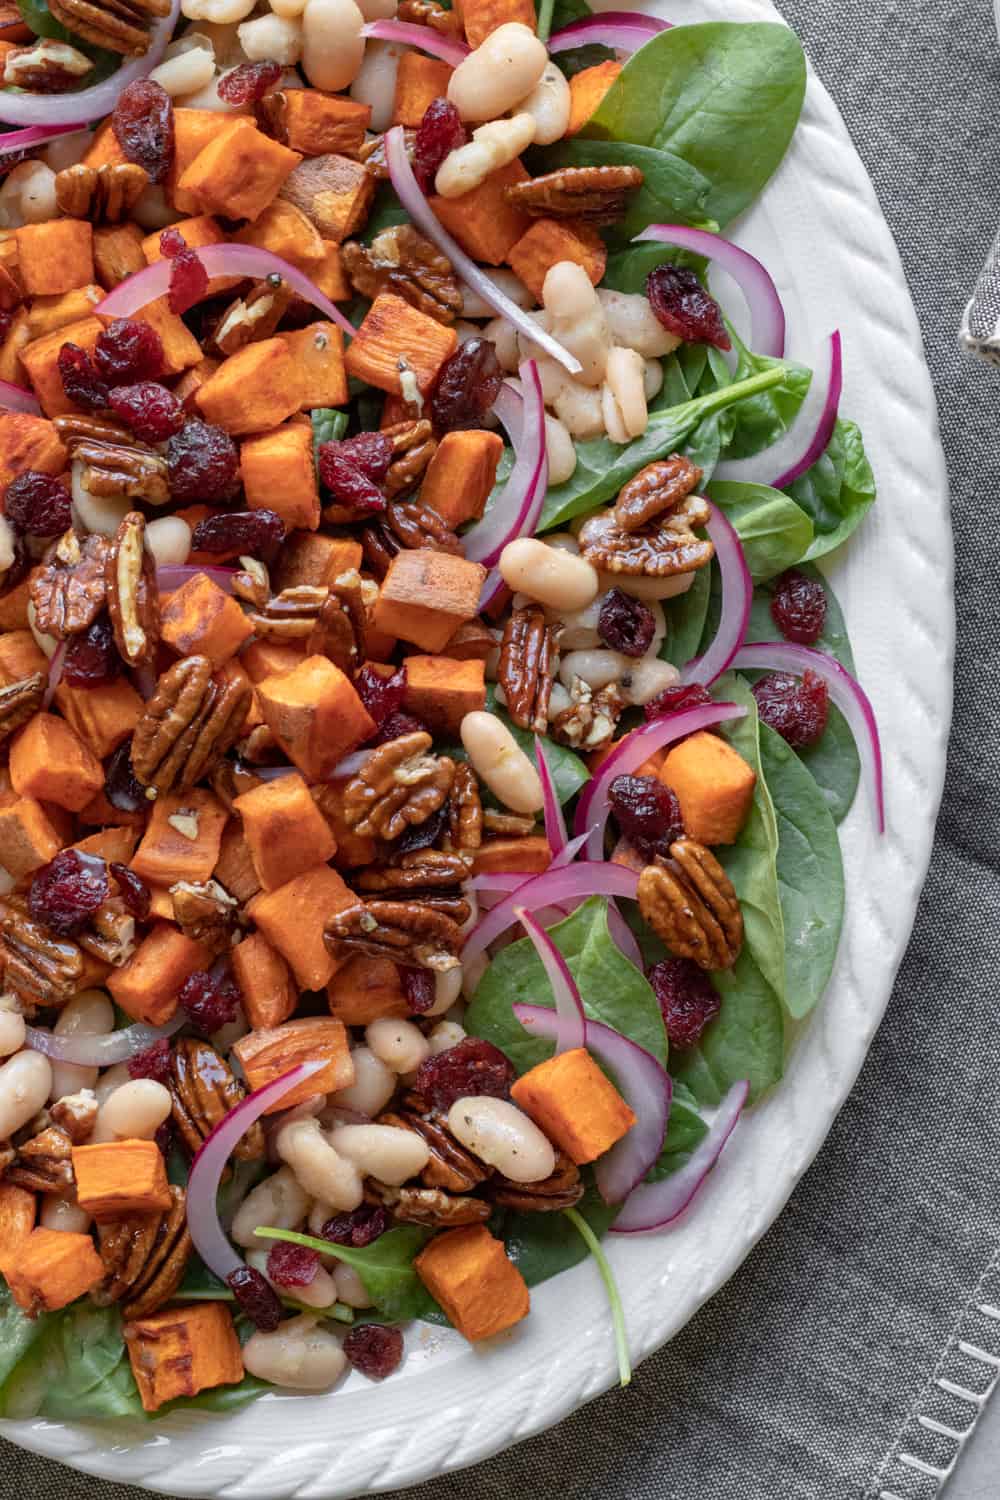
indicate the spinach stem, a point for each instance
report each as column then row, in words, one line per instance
column 593, row 1244
column 544, row 26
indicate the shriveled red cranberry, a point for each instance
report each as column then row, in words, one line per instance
column 291, row 1265
column 685, row 308
column 256, row 1297
column 257, row 532
column 797, row 707
column 128, row 351
column 381, row 696
column 208, row 1003
column 188, row 277
column 468, row 383
column 353, row 469
column 149, row 409
column 647, row 812
column 625, row 624
column 67, row 891
column 360, row 1227
column 121, row 787
column 80, row 379
column 143, row 125
column 686, row 998
column 422, row 835
column 133, row 890
column 37, row 503
column 164, row 1137
column 203, row 463
column 674, row 699
column 374, row 1349
column 92, row 658
column 798, row 607
column 153, row 1063
column 439, row 132
column 394, row 727
column 249, row 82
column 474, row 1066
column 418, row 989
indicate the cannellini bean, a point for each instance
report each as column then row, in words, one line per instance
column 502, row 69
column 642, row 680
column 110, row 1079
column 298, row 1354
column 397, row 1043
column 332, row 44
column 596, row 668
column 12, row 1026
column 549, row 103
column 272, row 37
column 218, row 12
column 279, row 1202
column 210, row 98
column 133, row 1112
column 351, row 1290
column 652, row 378
column 579, row 408
column 446, row 1034
column 321, row 1170
column 578, row 320
column 624, row 397
column 447, row 989
column 559, row 700
column 648, row 589
column 223, row 38
column 466, row 331
column 548, row 574
column 559, row 450
column 168, row 540
column 503, row 336
column 288, row 8
column 28, row 195
column 90, row 1013
column 377, row 10
column 374, row 1084
column 492, row 146
column 320, row 1292
column 578, row 627
column 319, row 1214
column 62, row 1213
column 186, row 72
column 153, row 210
column 375, row 83
column 634, row 324
column 25, row 1081
column 65, row 150
column 564, row 540
column 102, row 514
column 659, row 627
column 499, row 760
column 6, row 544
column 383, row 1151
column 503, row 1136
column 505, row 281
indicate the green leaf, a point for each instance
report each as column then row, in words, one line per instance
column 222, row 1398
column 543, row 1245
column 761, row 421
column 724, row 96
column 774, row 531
column 385, row 1267
column 329, row 426
column 17, row 1334
column 746, row 1040
column 838, row 491
column 593, row 1244
column 686, row 620
column 672, row 192
column 74, row 1368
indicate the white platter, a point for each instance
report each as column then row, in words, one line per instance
column 819, row 229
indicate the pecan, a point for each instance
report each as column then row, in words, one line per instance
column 126, row 470
column 111, row 934
column 591, row 719
column 44, row 1164
column 253, row 583
column 455, row 907
column 45, row 67
column 429, row 13
column 253, row 316
column 258, row 746
column 372, row 153
column 408, row 932
column 188, row 725
column 399, row 785
column 401, row 260
column 525, row 672
column 665, row 547
column 451, row 1166
column 342, row 624
column 597, row 195
column 291, row 614
column 105, row 194
column 465, row 810
column 37, row 964
column 133, row 600
column 413, row 447
column 656, row 488
column 561, row 1189
column 121, row 26
column 379, row 547
column 689, row 901
column 419, row 526
column 145, row 1257
column 76, row 1114
column 431, row 1206
column 418, row 870
column 508, row 825
column 230, row 779
column 204, row 1089
column 20, row 701
column 77, row 426
column 204, row 912
column 69, row 591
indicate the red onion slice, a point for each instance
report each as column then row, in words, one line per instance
column 593, row 809
column 642, row 1082
column 653, row 1204
column 807, row 438
column 17, row 398
column 32, row 135
column 100, row 1051
column 219, row 260
column 767, row 316
column 555, row 823
column 517, row 508
column 737, row 597
column 845, row 691
column 551, row 888
column 56, row 664
column 424, row 217
column 172, row 575
column 569, row 851
column 568, row 1023
column 47, row 110
column 448, row 49
column 624, row 938
column 624, row 30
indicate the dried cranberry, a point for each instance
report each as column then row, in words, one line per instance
column 133, row 890
column 208, row 1003
column 798, row 607
column 647, row 813
column 352, row 470
column 188, row 282
column 149, row 409
column 418, row 989
column 467, row 386
column 381, row 696
column 203, row 463
column 255, row 1297
column 80, row 379
column 474, row 1066
column 625, row 624
column 257, row 532
column 684, row 307
column 121, row 787
column 291, row 1265
column 67, row 891
column 361, row 1227
column 797, row 707
column 371, row 452
column 423, row 835
column 249, row 82
column 686, row 998
column 164, row 1137
column 674, row 699
column 142, row 122
column 153, row 1063
column 394, row 727
column 439, row 132
column 92, row 658
column 128, row 351
column 374, row 1349
column 37, row 503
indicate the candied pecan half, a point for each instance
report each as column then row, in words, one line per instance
column 409, row 932
column 429, row 13
column 37, row 964
column 401, row 260
column 597, row 195
column 419, row 870
column 254, row 316
column 133, row 600
column 110, row 935
column 432, row 1206
column 399, row 785
column 145, row 1257
column 69, row 591
column 419, row 526
column 188, row 725
column 451, row 1166
column 341, row 626
column 44, row 1164
column 665, row 547
column 689, row 901
column 204, row 1089
column 116, row 25
column 204, row 912
column 19, row 702
column 104, row 195
column 656, row 488
column 465, row 810
column 561, row 1189
column 122, row 470
column 372, row 153
column 47, row 66
column 591, row 719
column 291, row 614
column 525, row 672
column 413, row 447
column 508, row 825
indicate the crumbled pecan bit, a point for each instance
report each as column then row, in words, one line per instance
column 254, row 316
column 665, row 547
column 230, row 779
column 69, row 591
column 413, row 447
column 526, row 669
column 409, row 932
column 341, row 626
column 658, row 487
column 419, row 870
column 19, row 702
column 188, row 725
column 133, row 600
column 507, row 825
column 465, row 810
column 372, row 154
column 689, row 901
column 204, row 1089
column 401, row 260
column 44, row 1164
column 399, row 785
column 431, row 1206
column 252, row 583
column 258, row 747
column 76, row 1114
column 204, row 912
column 111, row 934
column 430, row 13
column 291, row 614
column 104, row 195
column 116, row 25
column 591, row 719
column 418, row 526
column 596, row 195
column 37, row 964
column 561, row 1189
column 126, row 470
column 45, row 67
column 145, row 1257
column 451, row 1166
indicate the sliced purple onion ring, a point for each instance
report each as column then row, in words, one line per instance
column 569, row 1025
column 806, row 440
column 623, row 937
column 555, row 823
column 845, row 692
column 100, row 1051
column 33, row 135
column 737, row 597
column 448, row 49
column 552, row 888
column 624, row 30
column 653, row 1204
column 517, row 508
column 56, row 664
column 767, row 316
column 17, row 398
column 172, row 575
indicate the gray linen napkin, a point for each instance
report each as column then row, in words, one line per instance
column 807, row 1376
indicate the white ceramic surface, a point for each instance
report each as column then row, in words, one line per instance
column 820, row 231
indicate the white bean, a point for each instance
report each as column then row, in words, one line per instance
column 549, row 574
column 110, row 1079
column 383, row 1151
column 64, row 1214
column 321, row 1170
column 499, row 760
column 168, row 540
column 549, row 103
column 133, row 1112
column 7, row 539
column 28, row 195
column 643, row 680
column 210, row 98
column 374, row 1084
column 279, row 1202
column 223, row 38
column 397, row 1043
column 648, row 589
column 272, row 38
column 288, row 8
column 579, row 408
column 320, row 1292
column 100, row 514
column 503, row 1136
column 596, row 668
column 634, row 324
column 505, row 281
column 375, row 83
column 185, row 72
column 12, row 1026
column 446, row 1034
column 298, row 1354
column 502, row 69
column 332, row 44
column 659, row 627
column 493, row 146
column 559, row 700
column 66, row 150
column 218, row 12
column 624, row 396
column 652, row 378
column 577, row 318
column 25, row 1081
column 377, row 10
column 578, row 627
column 153, row 209
column 559, row 450
column 447, row 989
column 351, row 1290
column 90, row 1013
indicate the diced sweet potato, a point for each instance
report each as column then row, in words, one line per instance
column 10, row 349
column 441, row 691
column 334, row 192
column 271, row 658
column 146, row 987
column 239, row 172
column 318, row 352
column 470, row 1274
column 482, row 17
column 315, row 560
column 419, row 81
column 40, row 358
column 279, row 473
column 549, row 241
column 286, row 231
column 365, row 989
column 200, row 619
column 49, row 761
column 50, row 1268
column 483, row 222
column 197, row 232
column 292, row 919
column 530, row 853
column 586, row 90
column 111, row 844
column 117, row 253
column 193, row 130
column 265, row 1055
column 329, row 275
column 713, row 784
column 182, row 839
column 284, row 830
column 55, row 256
column 14, row 605
column 180, row 1351
column 393, row 331
column 266, row 985
column 17, row 1216
column 116, row 1178
column 46, row 314
column 185, row 390
column 461, row 474
column 102, row 716
column 234, row 869
column 103, row 149
column 578, row 1108
column 315, row 715
column 181, row 349
column 426, row 595
column 253, row 390
column 28, row 442
column 234, row 671
column 20, row 656
column 316, row 123
column 100, row 813
column 27, row 838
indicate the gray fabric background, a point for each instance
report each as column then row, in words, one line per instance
column 796, row 1381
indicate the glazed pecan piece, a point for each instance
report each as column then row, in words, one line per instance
column 451, row 1166
column 658, row 487
column 597, row 195
column 418, row 870
column 465, row 810
column 19, row 702
column 429, row 13
column 116, row 25
column 408, row 932
column 341, row 626
column 37, row 964
column 525, row 672
column 122, row 470
column 46, row 66
column 290, row 615
column 401, row 260
column 591, row 719
column 70, row 590
column 432, row 1206
column 507, row 825
column 44, row 1164
column 188, row 725
column 561, row 1189
column 133, row 600
column 204, row 912
column 689, row 901
column 253, row 316
column 372, row 153
column 204, row 1089
column 110, row 935
column 145, row 1257
column 399, row 785
column 413, row 447
column 417, row 526
column 663, row 548
column 105, row 194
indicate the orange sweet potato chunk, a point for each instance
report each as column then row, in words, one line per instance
column 111, row 844
column 293, row 917
column 49, row 761
column 193, row 130
column 46, row 314
column 200, row 619
column 28, row 442
column 482, row 17
column 197, row 232
column 253, row 390
column 20, row 657
column 315, row 715
column 578, row 1108
column 104, row 149
column 482, row 221
column 239, row 172
column 461, row 474
column 121, row 1177
column 102, row 716
column 180, row 1351
column 316, row 123
column 426, row 595
column 270, row 658
column 266, row 985
column 508, row 856
column 17, row 1215
column 713, row 784
column 470, row 1274
column 284, row 830
column 182, row 838
column 419, row 81
column 393, row 330
column 279, row 473
column 265, row 1055
column 49, row 1268
column 318, row 352
column 55, row 256
column 286, row 231
column 27, row 838
column 441, row 691
column 146, row 987
column 586, row 90
column 315, row 560
column 117, row 253
column 365, row 989
column 549, row 241
column 40, row 359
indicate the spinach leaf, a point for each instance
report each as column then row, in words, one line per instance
column 839, row 489
column 543, row 1245
column 224, row 1398
column 328, row 425
column 74, row 1368
column 17, row 1334
column 724, row 96
column 385, row 1267
column 774, row 531
column 685, row 1129
column 672, row 191
column 612, row 989
column 810, row 873
column 761, row 421
column 685, row 615
column 746, row 1040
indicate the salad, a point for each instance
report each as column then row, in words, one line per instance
column 423, row 723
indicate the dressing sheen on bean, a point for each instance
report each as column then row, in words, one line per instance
column 503, row 1136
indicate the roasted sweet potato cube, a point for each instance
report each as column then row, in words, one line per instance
column 334, row 192
column 318, row 352
column 253, row 390
column 315, row 559
column 441, row 691
column 117, row 253
column 461, row 474
column 180, row 1351
column 271, row 658
column 365, row 989
column 27, row 838
column 200, row 619
column 50, row 1268
column 482, row 17
column 286, row 231
column 578, row 1108
column 28, row 442
column 315, row 715
column 419, row 81
column 20, row 657
column 185, row 390
column 586, row 90
column 47, row 314
column 279, row 473
column 234, row 868
column 482, row 221
column 116, row 1178
column 394, row 331
column 239, row 172
column 470, row 1274
column 329, row 274
column 530, row 853
column 268, row 990
column 55, row 256
column 146, row 987
column 197, row 232
column 181, row 349
column 182, row 838
column 102, row 716
column 14, row 606
column 550, row 241
column 293, row 917
column 40, row 358
column 426, row 595
column 316, row 123
column 17, row 1215
column 713, row 784
column 265, row 1055
column 284, row 830
column 11, row 345
column 103, row 149
column 111, row 844
column 193, row 130
column 49, row 761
